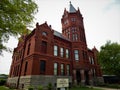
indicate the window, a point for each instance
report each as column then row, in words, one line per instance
column 92, row 60
column 73, row 37
column 76, row 54
column 61, row 52
column 85, row 56
column 62, row 69
column 73, row 29
column 25, row 70
column 55, row 50
column 67, row 53
column 44, row 47
column 55, row 68
column 42, row 66
column 28, row 51
column 69, row 34
column 44, row 33
column 68, row 69
column 76, row 37
column 73, row 19
column 94, row 72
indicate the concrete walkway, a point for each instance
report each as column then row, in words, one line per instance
column 106, row 88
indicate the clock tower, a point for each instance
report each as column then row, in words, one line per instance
column 72, row 25
column 73, row 30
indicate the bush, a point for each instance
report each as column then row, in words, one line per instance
column 2, row 82
column 49, row 86
column 40, row 87
column 30, row 88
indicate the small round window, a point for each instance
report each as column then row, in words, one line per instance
column 44, row 33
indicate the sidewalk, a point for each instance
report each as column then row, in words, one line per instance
column 106, row 88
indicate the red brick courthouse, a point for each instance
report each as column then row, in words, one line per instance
column 45, row 55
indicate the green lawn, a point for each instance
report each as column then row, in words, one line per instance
column 4, row 88
column 74, row 88
column 115, row 86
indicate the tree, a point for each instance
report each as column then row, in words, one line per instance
column 109, row 58
column 15, row 16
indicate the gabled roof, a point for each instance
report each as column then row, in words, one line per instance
column 72, row 9
column 56, row 33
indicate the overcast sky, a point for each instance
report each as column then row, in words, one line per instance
column 101, row 22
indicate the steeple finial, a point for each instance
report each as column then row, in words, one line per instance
column 72, row 9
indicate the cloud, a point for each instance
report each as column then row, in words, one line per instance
column 112, row 4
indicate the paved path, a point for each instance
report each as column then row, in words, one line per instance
column 106, row 88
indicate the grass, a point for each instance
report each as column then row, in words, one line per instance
column 84, row 88
column 115, row 86
column 77, row 87
column 4, row 88
column 73, row 88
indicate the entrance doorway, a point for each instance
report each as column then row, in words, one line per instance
column 86, row 78
column 78, row 77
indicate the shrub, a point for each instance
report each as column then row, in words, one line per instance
column 30, row 88
column 40, row 87
column 49, row 86
column 2, row 82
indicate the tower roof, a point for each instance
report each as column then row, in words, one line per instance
column 72, row 9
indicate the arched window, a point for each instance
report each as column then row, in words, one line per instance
column 44, row 33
